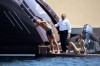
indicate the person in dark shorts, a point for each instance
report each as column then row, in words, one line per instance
column 50, row 34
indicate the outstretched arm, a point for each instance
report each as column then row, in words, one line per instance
column 42, row 21
column 82, row 45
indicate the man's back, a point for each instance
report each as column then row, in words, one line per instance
column 44, row 25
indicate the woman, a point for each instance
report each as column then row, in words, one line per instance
column 78, row 48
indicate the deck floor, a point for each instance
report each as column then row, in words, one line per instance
column 68, row 55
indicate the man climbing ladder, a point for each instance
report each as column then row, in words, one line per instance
column 49, row 32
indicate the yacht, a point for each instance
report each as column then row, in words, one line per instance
column 18, row 34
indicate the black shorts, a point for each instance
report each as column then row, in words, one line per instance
column 50, row 32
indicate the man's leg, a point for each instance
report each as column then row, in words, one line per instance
column 55, row 42
column 73, row 47
column 51, row 44
column 63, row 38
column 65, row 41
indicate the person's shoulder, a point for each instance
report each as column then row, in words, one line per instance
column 67, row 20
column 60, row 20
column 82, row 40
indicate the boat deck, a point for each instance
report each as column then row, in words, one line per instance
column 68, row 55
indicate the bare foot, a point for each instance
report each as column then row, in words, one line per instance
column 58, row 52
column 53, row 52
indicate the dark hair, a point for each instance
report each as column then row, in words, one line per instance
column 34, row 20
column 80, row 35
column 76, row 40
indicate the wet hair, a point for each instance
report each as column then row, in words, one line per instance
column 76, row 40
column 80, row 35
column 34, row 20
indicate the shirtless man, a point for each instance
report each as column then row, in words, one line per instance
column 49, row 32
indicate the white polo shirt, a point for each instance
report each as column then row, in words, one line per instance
column 64, row 25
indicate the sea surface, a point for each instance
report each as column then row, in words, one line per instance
column 50, row 61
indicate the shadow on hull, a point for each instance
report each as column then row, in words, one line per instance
column 17, row 31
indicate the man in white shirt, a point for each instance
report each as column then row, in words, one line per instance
column 64, row 31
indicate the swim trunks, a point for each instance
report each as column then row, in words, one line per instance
column 50, row 32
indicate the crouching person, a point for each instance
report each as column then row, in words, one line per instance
column 78, row 48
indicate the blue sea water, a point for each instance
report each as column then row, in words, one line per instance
column 54, row 61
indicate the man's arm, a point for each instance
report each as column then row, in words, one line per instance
column 42, row 21
column 57, row 25
column 69, row 26
column 83, row 44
